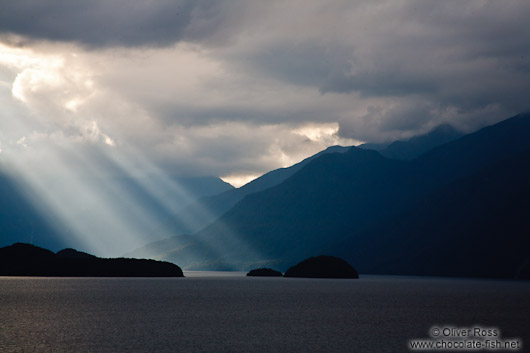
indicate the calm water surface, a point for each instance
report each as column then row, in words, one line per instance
column 210, row 313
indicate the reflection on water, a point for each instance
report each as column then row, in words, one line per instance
column 233, row 313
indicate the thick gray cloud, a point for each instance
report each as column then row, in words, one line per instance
column 182, row 80
column 465, row 57
column 129, row 23
column 108, row 23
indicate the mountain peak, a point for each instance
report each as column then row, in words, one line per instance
column 418, row 145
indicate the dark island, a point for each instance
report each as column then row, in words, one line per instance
column 28, row 260
column 322, row 267
column 264, row 272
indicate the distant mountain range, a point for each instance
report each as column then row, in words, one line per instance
column 439, row 204
column 205, row 210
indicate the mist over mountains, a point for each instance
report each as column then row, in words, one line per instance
column 20, row 221
column 198, row 214
column 418, row 145
column 457, row 210
column 26, row 218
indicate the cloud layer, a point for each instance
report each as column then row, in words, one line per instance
column 230, row 88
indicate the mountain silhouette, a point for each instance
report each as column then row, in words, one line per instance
column 28, row 260
column 198, row 215
column 322, row 267
column 346, row 202
column 473, row 226
column 206, row 210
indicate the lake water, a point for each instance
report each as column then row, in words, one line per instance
column 208, row 312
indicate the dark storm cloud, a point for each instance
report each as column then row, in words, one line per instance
column 331, row 67
column 381, row 69
column 114, row 23
column 410, row 48
column 308, row 63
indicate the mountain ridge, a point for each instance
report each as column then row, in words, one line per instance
column 22, row 259
column 418, row 145
column 294, row 219
column 205, row 210
column 491, row 205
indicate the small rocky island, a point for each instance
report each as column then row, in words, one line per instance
column 28, row 260
column 322, row 267
column 264, row 272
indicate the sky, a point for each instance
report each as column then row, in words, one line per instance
column 236, row 88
